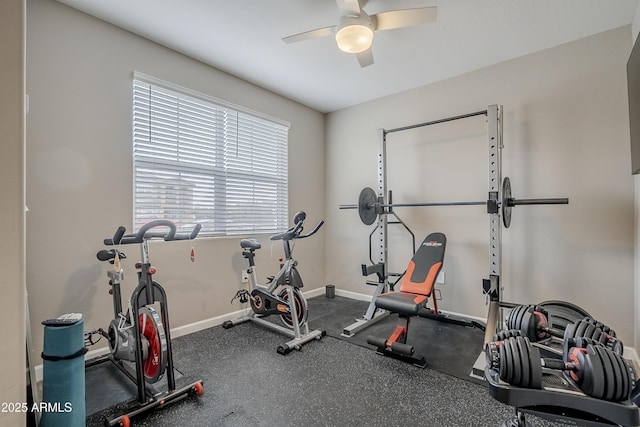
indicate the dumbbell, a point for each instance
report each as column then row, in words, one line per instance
column 532, row 321
column 584, row 328
column 596, row 370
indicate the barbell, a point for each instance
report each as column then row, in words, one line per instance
column 369, row 207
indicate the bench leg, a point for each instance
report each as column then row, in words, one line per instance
column 396, row 345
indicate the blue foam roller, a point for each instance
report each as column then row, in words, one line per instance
column 63, row 386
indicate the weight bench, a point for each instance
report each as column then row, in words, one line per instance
column 416, row 287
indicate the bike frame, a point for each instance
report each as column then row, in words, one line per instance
column 300, row 334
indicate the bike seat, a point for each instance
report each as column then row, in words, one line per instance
column 251, row 244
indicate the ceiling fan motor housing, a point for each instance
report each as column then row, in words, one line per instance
column 354, row 33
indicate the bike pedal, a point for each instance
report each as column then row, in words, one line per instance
column 242, row 295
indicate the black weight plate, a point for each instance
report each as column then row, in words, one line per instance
column 529, row 324
column 581, row 326
column 515, row 318
column 594, row 321
column 506, row 197
column 568, row 335
column 589, row 331
column 509, row 322
column 366, row 206
column 628, row 377
column 614, row 344
column 624, row 381
column 525, row 364
column 599, row 336
column 593, row 368
column 618, row 379
column 609, row 373
column 503, row 363
column 517, row 366
column 519, row 319
column 511, row 318
column 503, row 335
column 508, row 360
column 535, row 377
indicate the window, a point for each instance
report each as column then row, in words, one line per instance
column 198, row 160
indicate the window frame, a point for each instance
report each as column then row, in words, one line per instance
column 250, row 196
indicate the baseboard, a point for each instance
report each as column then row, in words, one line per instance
column 314, row 292
column 206, row 323
column 353, row 295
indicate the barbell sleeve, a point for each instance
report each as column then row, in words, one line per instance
column 552, row 201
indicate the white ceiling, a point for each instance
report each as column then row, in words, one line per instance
column 243, row 38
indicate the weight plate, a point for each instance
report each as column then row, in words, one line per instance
column 617, row 382
column 521, row 379
column 506, row 361
column 627, row 381
column 609, row 389
column 366, row 206
column 535, row 379
column 593, row 382
column 506, row 196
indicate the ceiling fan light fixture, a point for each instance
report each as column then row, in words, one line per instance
column 355, row 37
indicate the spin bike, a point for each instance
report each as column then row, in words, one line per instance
column 267, row 300
column 141, row 335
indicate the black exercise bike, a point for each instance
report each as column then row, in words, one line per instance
column 140, row 335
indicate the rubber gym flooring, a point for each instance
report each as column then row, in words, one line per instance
column 335, row 381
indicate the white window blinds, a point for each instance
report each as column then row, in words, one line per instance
column 196, row 160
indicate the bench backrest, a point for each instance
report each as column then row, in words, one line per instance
column 425, row 265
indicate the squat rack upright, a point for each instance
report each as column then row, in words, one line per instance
column 495, row 196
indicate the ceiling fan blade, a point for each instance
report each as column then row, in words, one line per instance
column 350, row 7
column 404, row 18
column 318, row 32
column 365, row 58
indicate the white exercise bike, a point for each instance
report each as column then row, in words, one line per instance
column 275, row 297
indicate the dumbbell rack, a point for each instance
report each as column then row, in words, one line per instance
column 560, row 400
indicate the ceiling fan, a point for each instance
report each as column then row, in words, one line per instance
column 355, row 29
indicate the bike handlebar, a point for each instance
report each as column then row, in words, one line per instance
column 294, row 232
column 145, row 233
column 312, row 232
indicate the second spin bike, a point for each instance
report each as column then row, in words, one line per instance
column 276, row 296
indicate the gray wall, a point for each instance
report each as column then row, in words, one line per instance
column 635, row 29
column 12, row 327
column 79, row 172
column 565, row 135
